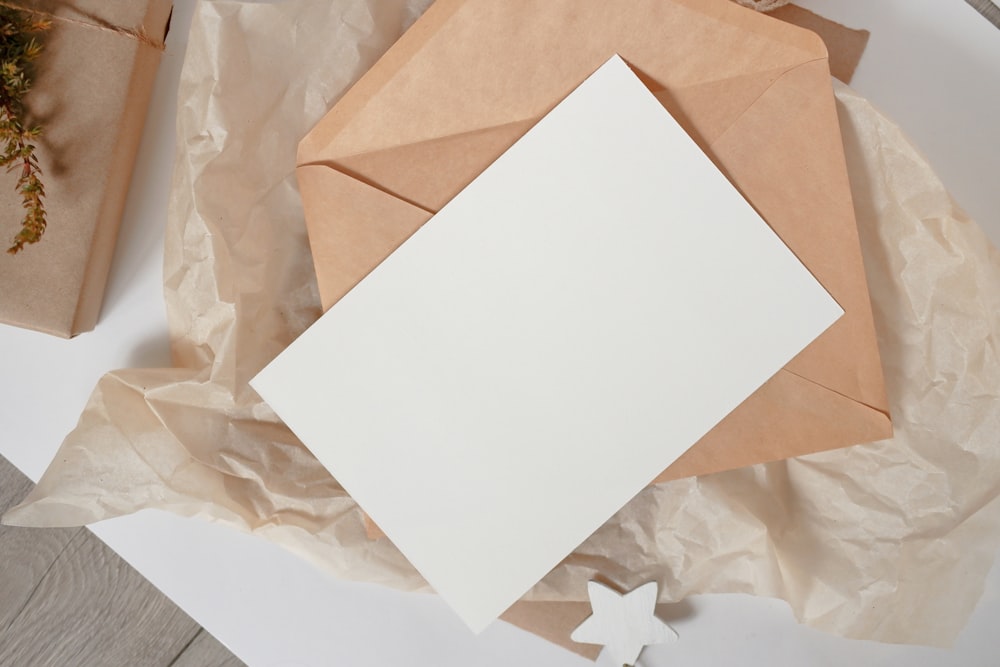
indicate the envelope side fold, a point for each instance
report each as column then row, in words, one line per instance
column 788, row 416
column 786, row 152
column 697, row 109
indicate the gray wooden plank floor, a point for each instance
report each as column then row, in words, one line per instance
column 67, row 600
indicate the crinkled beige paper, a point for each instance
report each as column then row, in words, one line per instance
column 889, row 541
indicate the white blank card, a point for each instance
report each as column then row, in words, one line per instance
column 556, row 336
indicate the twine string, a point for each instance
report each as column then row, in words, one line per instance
column 763, row 5
column 140, row 35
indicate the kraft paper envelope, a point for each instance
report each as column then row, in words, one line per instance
column 470, row 362
column 472, row 76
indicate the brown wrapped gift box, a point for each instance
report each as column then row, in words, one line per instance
column 92, row 89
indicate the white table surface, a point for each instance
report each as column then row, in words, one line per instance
column 933, row 65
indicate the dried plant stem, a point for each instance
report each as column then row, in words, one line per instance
column 18, row 49
column 138, row 34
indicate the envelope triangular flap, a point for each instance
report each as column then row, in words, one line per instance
column 456, row 159
column 345, row 249
column 520, row 57
column 471, row 77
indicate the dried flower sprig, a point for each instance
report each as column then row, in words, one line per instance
column 18, row 49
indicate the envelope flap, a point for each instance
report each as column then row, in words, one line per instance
column 456, row 159
column 359, row 209
column 502, row 82
column 346, row 249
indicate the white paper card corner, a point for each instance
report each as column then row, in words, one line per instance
column 556, row 336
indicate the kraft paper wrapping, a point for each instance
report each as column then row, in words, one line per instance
column 92, row 88
column 889, row 541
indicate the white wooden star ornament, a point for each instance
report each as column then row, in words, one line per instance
column 624, row 624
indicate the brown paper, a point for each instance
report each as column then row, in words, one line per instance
column 472, row 77
column 91, row 92
column 888, row 541
column 844, row 45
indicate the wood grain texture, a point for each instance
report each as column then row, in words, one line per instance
column 95, row 610
column 25, row 555
column 206, row 651
column 13, row 485
column 66, row 599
